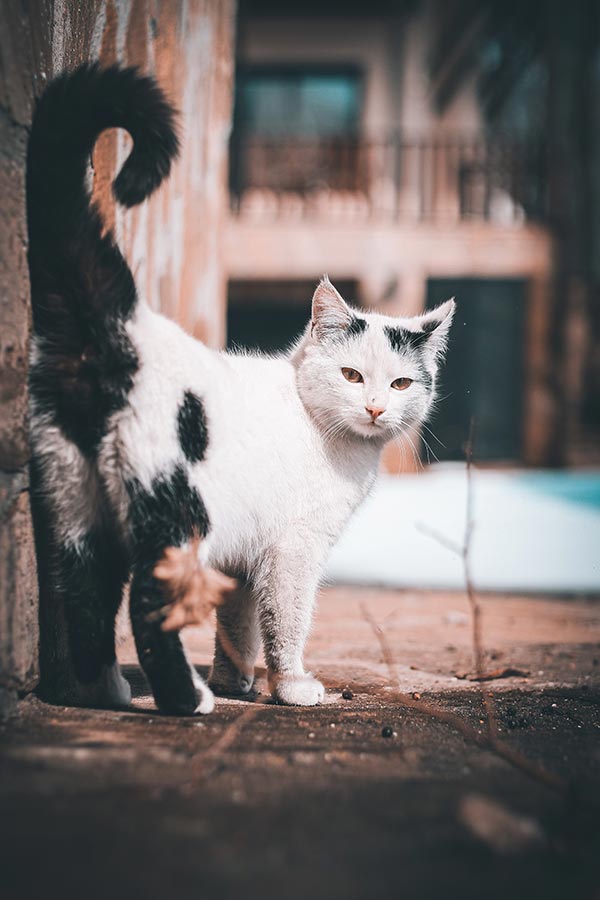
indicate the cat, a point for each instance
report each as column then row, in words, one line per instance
column 143, row 438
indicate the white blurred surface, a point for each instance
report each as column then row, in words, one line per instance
column 533, row 532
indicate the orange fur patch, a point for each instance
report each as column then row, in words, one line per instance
column 192, row 591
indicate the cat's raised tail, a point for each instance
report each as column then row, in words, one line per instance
column 73, row 111
column 82, row 289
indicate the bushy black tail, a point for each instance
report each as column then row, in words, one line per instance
column 75, row 108
column 82, row 288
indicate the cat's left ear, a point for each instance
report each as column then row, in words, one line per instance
column 436, row 325
column 330, row 314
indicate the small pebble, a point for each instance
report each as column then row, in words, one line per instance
column 517, row 722
column 416, row 695
column 347, row 694
column 311, row 735
column 387, row 731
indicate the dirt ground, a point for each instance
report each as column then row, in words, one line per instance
column 359, row 798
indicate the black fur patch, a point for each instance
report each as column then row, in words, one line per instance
column 89, row 580
column 426, row 379
column 167, row 515
column 160, row 653
column 192, row 427
column 81, row 389
column 357, row 326
column 82, row 289
column 402, row 339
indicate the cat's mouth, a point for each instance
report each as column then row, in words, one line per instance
column 371, row 429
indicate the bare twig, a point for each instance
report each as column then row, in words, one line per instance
column 478, row 652
column 440, row 538
column 463, row 550
column 487, row 740
column 490, row 739
column 495, row 674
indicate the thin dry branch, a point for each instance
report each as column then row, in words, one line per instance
column 488, row 740
column 463, row 550
column 474, row 604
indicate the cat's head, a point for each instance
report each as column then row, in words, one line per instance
column 368, row 374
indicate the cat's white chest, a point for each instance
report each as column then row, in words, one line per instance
column 267, row 475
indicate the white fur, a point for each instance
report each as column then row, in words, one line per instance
column 109, row 691
column 292, row 452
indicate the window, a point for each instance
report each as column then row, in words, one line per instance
column 295, row 129
column 301, row 102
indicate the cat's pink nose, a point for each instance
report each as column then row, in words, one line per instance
column 374, row 411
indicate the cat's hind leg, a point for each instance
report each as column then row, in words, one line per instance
column 237, row 643
column 91, row 574
column 82, row 570
column 168, row 514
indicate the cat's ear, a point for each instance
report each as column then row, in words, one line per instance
column 436, row 325
column 330, row 314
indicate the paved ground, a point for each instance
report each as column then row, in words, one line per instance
column 258, row 800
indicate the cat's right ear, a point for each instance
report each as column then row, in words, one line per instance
column 330, row 314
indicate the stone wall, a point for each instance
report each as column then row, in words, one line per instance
column 172, row 242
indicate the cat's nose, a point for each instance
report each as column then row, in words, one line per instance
column 374, row 411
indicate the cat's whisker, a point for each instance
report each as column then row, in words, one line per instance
column 403, row 452
column 433, row 434
column 429, row 449
column 417, row 459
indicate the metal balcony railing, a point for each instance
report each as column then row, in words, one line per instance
column 441, row 180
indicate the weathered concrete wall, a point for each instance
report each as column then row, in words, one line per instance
column 172, row 242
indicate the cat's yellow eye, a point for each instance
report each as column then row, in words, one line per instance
column 400, row 384
column 352, row 375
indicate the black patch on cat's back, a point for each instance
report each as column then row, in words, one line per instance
column 357, row 326
column 192, row 428
column 80, row 384
column 402, row 339
column 167, row 515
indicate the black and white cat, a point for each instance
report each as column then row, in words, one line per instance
column 143, row 438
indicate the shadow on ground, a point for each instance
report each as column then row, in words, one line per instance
column 259, row 800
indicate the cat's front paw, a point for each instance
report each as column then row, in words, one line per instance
column 296, row 690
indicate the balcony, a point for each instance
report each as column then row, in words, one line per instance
column 349, row 179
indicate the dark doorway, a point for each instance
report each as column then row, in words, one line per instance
column 483, row 374
column 270, row 315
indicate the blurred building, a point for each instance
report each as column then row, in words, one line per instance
column 361, row 147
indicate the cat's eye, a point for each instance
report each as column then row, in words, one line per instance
column 352, row 375
column 400, row 384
